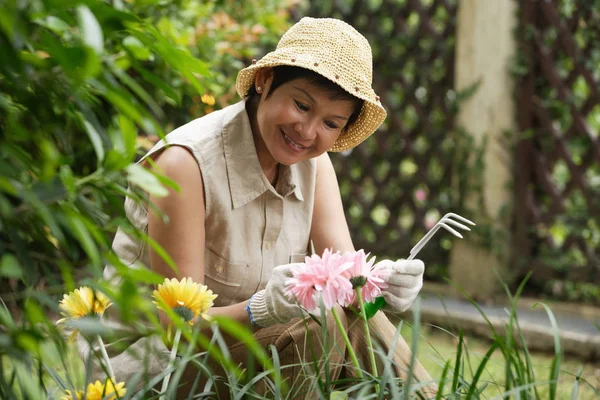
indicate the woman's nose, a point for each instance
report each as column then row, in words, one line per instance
column 306, row 129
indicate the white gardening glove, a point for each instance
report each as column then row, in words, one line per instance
column 404, row 283
column 271, row 305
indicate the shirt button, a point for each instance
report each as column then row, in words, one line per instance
column 268, row 246
column 219, row 268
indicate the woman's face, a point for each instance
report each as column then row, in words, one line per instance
column 298, row 120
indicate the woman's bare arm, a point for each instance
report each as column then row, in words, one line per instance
column 329, row 227
column 182, row 233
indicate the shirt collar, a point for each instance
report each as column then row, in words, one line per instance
column 247, row 180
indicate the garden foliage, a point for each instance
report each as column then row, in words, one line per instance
column 87, row 86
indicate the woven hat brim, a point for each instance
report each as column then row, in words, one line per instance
column 369, row 120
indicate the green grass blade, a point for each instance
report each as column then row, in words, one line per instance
column 556, row 361
column 442, row 381
column 480, row 370
column 575, row 391
column 277, row 369
column 416, row 312
column 242, row 334
column 457, row 363
column 529, row 361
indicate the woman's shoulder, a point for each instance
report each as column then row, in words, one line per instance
column 175, row 158
column 201, row 137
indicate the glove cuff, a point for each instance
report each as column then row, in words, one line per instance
column 258, row 311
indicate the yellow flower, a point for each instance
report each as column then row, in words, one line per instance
column 98, row 391
column 83, row 302
column 208, row 99
column 186, row 298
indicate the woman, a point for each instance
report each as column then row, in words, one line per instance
column 257, row 186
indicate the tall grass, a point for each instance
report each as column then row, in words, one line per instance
column 49, row 370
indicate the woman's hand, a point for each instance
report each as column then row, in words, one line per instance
column 271, row 305
column 404, row 283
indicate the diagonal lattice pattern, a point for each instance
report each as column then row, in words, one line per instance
column 559, row 163
column 397, row 184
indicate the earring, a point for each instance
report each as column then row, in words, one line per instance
column 259, row 89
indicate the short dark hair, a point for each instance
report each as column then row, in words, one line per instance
column 285, row 73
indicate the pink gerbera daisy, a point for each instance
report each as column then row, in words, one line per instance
column 362, row 274
column 323, row 276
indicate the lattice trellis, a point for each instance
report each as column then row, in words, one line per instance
column 398, row 183
column 558, row 171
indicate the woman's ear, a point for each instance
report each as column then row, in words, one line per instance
column 263, row 80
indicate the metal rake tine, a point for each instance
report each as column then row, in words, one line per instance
column 463, row 219
column 435, row 228
column 415, row 250
column 428, row 237
column 453, row 222
column 451, row 230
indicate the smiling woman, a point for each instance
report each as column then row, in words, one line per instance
column 297, row 114
column 257, row 187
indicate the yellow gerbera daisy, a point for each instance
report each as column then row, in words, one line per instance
column 98, row 391
column 186, row 298
column 83, row 302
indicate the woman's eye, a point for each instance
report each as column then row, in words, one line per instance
column 331, row 125
column 301, row 106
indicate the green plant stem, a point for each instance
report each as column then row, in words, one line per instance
column 363, row 316
column 106, row 359
column 348, row 345
column 165, row 384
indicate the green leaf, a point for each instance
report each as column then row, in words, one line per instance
column 10, row 267
column 7, row 187
column 89, row 326
column 27, row 380
column 6, row 318
column 137, row 48
column 129, row 135
column 35, row 314
column 337, row 395
column 138, row 90
column 159, row 83
column 78, row 228
column 90, row 29
column 142, row 274
column 44, row 212
column 53, row 23
column 94, row 138
column 146, row 180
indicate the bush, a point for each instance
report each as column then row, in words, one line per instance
column 83, row 84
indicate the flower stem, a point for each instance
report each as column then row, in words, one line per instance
column 165, row 384
column 348, row 345
column 106, row 359
column 367, row 335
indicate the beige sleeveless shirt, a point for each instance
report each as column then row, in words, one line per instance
column 251, row 226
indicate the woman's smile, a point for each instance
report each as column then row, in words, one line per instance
column 291, row 144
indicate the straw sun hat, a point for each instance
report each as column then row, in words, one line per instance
column 335, row 50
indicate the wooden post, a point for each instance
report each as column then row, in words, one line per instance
column 484, row 51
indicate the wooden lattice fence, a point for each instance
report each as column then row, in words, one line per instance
column 397, row 183
column 558, row 162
